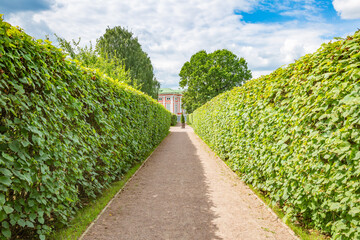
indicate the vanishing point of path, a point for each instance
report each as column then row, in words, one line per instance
column 184, row 191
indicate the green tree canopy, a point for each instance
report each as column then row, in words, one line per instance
column 89, row 58
column 119, row 43
column 207, row 75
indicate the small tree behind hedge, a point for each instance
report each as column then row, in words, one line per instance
column 173, row 119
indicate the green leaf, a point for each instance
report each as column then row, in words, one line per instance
column 42, row 237
column 5, row 180
column 8, row 209
column 6, row 172
column 350, row 100
column 31, row 203
column 40, row 212
column 8, row 157
column 2, row 199
column 6, row 232
column 5, row 224
column 13, row 222
column 357, row 155
column 30, row 224
column 21, row 222
column 15, row 146
column 3, row 215
column 32, row 216
column 354, row 211
column 339, row 225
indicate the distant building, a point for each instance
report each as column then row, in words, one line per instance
column 171, row 99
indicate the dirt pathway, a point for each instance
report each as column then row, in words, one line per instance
column 184, row 192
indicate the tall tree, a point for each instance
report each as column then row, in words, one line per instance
column 89, row 58
column 119, row 43
column 207, row 75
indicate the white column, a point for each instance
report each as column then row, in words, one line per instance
column 180, row 110
column 172, row 104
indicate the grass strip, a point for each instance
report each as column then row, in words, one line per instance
column 301, row 232
column 89, row 213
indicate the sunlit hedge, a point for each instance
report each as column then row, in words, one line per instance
column 66, row 133
column 295, row 134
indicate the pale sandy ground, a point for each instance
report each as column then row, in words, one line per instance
column 184, row 191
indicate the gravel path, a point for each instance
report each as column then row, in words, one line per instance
column 184, row 191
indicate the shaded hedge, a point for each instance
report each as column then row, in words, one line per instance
column 295, row 134
column 66, row 133
column 173, row 119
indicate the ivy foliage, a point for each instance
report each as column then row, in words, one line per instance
column 66, row 133
column 295, row 134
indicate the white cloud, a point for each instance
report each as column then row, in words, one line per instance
column 348, row 9
column 171, row 31
column 256, row 74
column 35, row 28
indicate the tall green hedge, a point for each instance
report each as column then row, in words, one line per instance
column 295, row 134
column 189, row 119
column 173, row 119
column 66, row 133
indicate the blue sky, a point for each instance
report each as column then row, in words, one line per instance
column 268, row 34
column 13, row 6
column 285, row 11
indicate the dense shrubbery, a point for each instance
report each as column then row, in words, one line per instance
column 173, row 119
column 295, row 134
column 66, row 133
column 88, row 57
column 189, row 119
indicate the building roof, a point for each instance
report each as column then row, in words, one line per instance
column 170, row 91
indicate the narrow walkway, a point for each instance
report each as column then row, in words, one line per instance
column 184, row 192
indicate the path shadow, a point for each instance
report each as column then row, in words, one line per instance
column 168, row 198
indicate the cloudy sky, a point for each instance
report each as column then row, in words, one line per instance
column 268, row 34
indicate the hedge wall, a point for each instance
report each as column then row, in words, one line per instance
column 295, row 134
column 173, row 119
column 189, row 119
column 66, row 133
